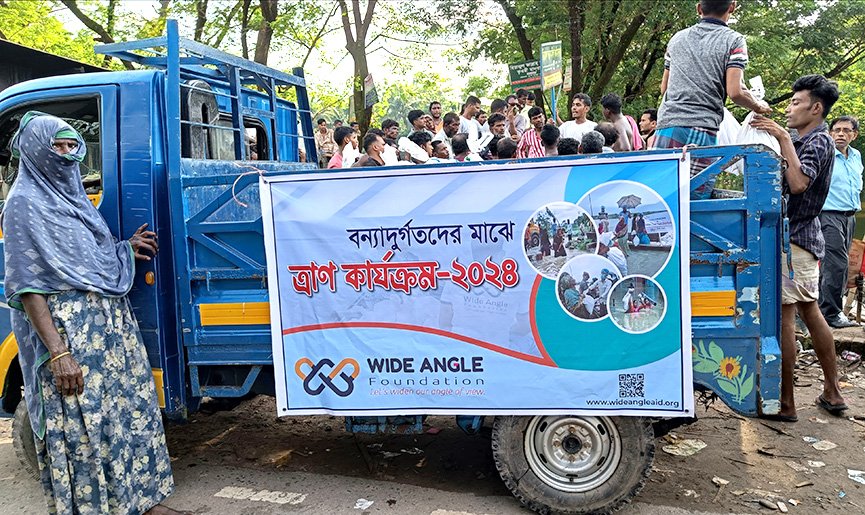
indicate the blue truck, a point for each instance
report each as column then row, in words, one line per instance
column 170, row 145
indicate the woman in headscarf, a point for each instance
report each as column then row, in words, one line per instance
column 568, row 292
column 88, row 386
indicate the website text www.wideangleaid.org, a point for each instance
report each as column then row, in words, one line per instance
column 634, row 403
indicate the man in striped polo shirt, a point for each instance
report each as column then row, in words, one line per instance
column 530, row 144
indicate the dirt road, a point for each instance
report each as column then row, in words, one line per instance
column 248, row 461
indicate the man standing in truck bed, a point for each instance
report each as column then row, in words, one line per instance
column 704, row 64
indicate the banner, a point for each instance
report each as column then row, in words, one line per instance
column 495, row 288
column 525, row 75
column 551, row 64
column 568, row 78
column 370, row 95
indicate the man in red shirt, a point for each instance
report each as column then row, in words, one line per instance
column 530, row 144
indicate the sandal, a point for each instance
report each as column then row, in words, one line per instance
column 777, row 417
column 834, row 409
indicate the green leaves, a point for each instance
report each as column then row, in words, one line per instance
column 31, row 24
column 715, row 352
column 728, row 373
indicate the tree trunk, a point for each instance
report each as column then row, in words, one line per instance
column 519, row 30
column 356, row 46
column 522, row 39
column 244, row 28
column 576, row 20
column 102, row 34
column 223, row 31
column 200, row 19
column 110, row 17
column 615, row 58
column 265, row 32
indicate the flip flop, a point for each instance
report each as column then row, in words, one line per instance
column 780, row 418
column 834, row 409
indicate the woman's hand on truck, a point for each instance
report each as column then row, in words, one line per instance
column 144, row 240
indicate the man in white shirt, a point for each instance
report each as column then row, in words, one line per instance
column 468, row 124
column 579, row 125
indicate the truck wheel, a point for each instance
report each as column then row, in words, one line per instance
column 570, row 464
column 536, row 240
column 22, row 440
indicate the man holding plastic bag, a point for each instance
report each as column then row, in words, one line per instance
column 806, row 181
column 703, row 65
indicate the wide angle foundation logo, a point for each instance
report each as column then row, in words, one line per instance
column 326, row 373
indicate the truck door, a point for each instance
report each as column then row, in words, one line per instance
column 92, row 111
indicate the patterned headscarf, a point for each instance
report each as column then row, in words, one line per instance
column 55, row 239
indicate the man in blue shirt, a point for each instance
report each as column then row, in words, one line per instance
column 838, row 219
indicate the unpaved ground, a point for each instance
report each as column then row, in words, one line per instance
column 760, row 459
column 249, row 446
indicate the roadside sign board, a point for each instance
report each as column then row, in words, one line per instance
column 551, row 64
column 525, row 74
column 480, row 289
column 568, row 78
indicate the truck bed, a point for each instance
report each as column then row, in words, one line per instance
column 735, row 283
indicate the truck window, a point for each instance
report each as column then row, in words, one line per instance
column 207, row 132
column 83, row 115
column 223, row 143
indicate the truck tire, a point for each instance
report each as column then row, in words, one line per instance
column 570, row 464
column 22, row 440
column 536, row 240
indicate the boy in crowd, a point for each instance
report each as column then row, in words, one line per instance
column 373, row 145
column 580, row 125
column 550, row 139
column 346, row 140
column 530, row 144
column 703, row 65
column 648, row 124
column 612, row 107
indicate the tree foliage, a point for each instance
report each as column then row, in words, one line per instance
column 610, row 45
column 618, row 45
column 31, row 24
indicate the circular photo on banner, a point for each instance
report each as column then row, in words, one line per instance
column 556, row 233
column 583, row 286
column 634, row 224
column 637, row 304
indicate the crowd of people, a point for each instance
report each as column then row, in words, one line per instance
column 703, row 66
column 587, row 298
column 514, row 128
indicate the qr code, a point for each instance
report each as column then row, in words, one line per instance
column 631, row 385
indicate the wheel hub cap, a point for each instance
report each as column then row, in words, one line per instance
column 572, row 454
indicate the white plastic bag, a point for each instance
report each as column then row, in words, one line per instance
column 728, row 132
column 750, row 136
